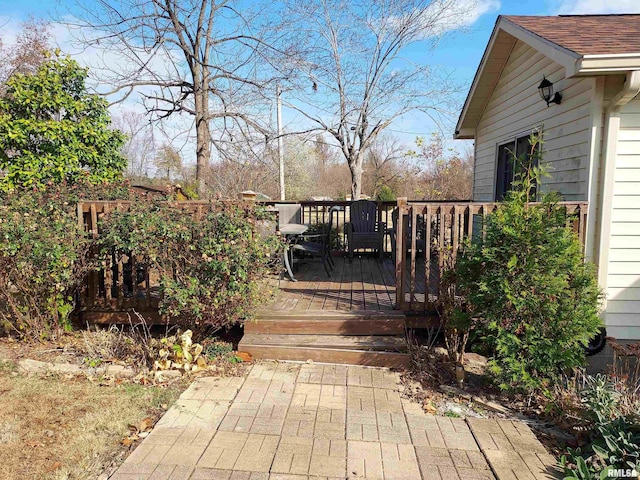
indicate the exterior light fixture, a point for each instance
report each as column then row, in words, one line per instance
column 546, row 92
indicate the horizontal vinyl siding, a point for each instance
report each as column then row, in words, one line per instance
column 623, row 279
column 515, row 108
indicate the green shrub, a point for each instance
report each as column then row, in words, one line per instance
column 210, row 271
column 43, row 255
column 527, row 280
column 386, row 194
column 53, row 130
column 615, row 437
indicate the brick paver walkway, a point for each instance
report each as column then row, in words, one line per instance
column 288, row 421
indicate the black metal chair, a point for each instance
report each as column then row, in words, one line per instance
column 421, row 243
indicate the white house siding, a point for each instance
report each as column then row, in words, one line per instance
column 623, row 276
column 515, row 108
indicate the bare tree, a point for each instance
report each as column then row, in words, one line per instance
column 185, row 57
column 446, row 175
column 357, row 80
column 28, row 51
column 139, row 149
column 168, row 161
column 385, row 164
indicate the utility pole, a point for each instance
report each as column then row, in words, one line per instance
column 280, row 142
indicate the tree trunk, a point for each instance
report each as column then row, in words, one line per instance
column 356, row 177
column 203, row 138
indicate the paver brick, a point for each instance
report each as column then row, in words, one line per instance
column 328, row 458
column 293, row 456
column 306, row 395
column 257, row 453
column 215, row 474
column 184, row 455
column 164, row 436
column 454, row 464
column 299, row 421
column 392, row 428
column 360, row 399
column 371, row 377
column 330, row 423
column 213, row 388
column 137, row 468
column 223, row 451
column 399, row 462
column 424, row 431
column 303, row 422
column 364, row 460
column 181, row 472
column 323, row 374
column 387, row 401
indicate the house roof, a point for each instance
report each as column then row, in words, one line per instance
column 583, row 44
column 586, row 34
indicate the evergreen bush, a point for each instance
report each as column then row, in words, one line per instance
column 528, row 281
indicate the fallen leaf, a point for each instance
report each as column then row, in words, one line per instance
column 54, row 467
column 146, row 424
column 245, row 356
column 430, row 408
column 128, row 441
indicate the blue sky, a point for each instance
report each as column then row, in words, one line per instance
column 459, row 53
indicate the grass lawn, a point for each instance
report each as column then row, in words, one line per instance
column 58, row 426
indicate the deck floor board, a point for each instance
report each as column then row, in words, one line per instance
column 365, row 284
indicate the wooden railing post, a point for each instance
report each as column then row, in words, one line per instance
column 400, row 253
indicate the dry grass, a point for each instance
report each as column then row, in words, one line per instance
column 112, row 344
column 58, row 427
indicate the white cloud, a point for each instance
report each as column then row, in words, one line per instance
column 444, row 16
column 471, row 11
column 584, row 7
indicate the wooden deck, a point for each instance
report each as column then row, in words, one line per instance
column 365, row 284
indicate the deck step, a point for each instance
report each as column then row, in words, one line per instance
column 327, row 322
column 362, row 342
column 329, row 355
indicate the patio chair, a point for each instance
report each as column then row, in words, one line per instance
column 315, row 245
column 289, row 213
column 363, row 229
column 420, row 240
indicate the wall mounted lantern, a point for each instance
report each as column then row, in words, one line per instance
column 546, row 92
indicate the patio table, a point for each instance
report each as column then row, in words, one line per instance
column 290, row 232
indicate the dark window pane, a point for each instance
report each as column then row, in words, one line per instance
column 508, row 166
column 504, row 177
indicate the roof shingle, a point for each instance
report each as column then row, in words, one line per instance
column 586, row 34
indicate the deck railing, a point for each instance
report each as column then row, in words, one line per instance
column 122, row 282
column 426, row 230
column 422, row 231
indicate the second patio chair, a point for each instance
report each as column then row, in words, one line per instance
column 363, row 229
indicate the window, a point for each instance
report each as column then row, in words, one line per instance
column 508, row 166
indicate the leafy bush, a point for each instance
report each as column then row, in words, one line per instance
column 210, row 271
column 43, row 255
column 528, row 281
column 615, row 436
column 455, row 321
column 52, row 129
column 42, row 258
column 386, row 194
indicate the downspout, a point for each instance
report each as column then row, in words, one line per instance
column 630, row 90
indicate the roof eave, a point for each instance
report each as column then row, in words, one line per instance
column 604, row 64
column 458, row 135
column 567, row 58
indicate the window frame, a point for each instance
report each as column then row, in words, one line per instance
column 513, row 139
